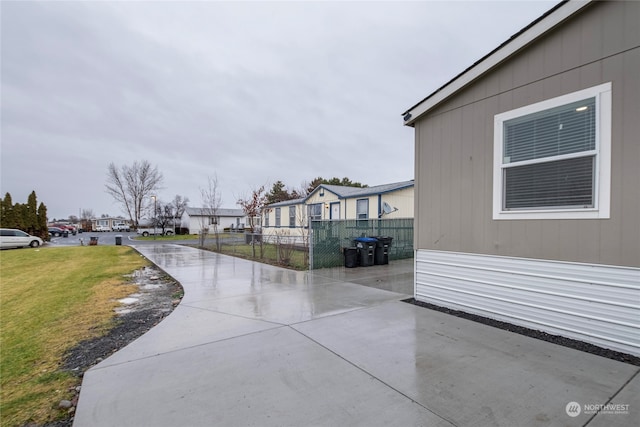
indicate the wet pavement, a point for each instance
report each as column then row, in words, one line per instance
column 107, row 238
column 254, row 344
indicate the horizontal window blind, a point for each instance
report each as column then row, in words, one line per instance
column 292, row 216
column 562, row 130
column 362, row 208
column 563, row 183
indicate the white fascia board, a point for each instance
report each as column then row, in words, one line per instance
column 528, row 36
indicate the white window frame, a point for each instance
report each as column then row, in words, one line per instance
column 365, row 213
column 602, row 175
column 315, row 211
column 292, row 216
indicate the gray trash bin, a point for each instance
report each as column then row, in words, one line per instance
column 119, row 240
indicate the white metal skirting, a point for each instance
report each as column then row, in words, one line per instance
column 599, row 304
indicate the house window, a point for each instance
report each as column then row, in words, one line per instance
column 315, row 212
column 552, row 159
column 277, row 217
column 266, row 219
column 213, row 220
column 292, row 216
column 362, row 209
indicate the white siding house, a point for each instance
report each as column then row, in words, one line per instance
column 195, row 219
column 335, row 202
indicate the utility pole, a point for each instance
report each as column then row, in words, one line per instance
column 154, row 216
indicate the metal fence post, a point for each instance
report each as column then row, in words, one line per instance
column 310, row 245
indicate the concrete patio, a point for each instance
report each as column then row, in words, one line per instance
column 257, row 345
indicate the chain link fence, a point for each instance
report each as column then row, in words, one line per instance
column 329, row 238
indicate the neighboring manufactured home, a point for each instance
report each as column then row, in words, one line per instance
column 528, row 179
column 196, row 219
column 334, row 202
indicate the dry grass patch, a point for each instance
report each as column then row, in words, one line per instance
column 51, row 299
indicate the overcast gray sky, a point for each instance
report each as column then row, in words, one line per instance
column 252, row 92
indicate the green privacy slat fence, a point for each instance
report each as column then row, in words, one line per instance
column 328, row 238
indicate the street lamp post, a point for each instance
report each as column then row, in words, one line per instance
column 154, row 217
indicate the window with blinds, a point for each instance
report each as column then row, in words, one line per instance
column 554, row 157
column 362, row 208
column 292, row 216
column 549, row 158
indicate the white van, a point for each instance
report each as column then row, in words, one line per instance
column 12, row 238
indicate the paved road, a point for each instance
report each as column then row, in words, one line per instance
column 108, row 238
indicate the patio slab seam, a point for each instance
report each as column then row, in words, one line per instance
column 611, row 398
column 302, row 288
column 185, row 348
column 386, row 384
column 226, row 313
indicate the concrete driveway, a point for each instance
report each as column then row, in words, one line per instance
column 256, row 345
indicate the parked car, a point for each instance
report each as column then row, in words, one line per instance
column 150, row 231
column 12, row 238
column 70, row 228
column 55, row 231
column 121, row 226
column 102, row 228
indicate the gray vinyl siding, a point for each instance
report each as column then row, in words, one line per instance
column 454, row 146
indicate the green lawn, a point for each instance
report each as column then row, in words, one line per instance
column 50, row 300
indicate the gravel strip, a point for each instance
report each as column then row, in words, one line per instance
column 157, row 296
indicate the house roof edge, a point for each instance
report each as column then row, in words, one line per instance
column 548, row 21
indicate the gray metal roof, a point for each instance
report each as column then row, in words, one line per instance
column 350, row 192
column 288, row 202
column 344, row 192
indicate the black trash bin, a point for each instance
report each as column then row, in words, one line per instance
column 93, row 241
column 382, row 250
column 118, row 240
column 366, row 250
column 350, row 257
column 65, row 233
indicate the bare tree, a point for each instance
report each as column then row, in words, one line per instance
column 162, row 217
column 253, row 207
column 179, row 204
column 86, row 215
column 211, row 202
column 130, row 185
